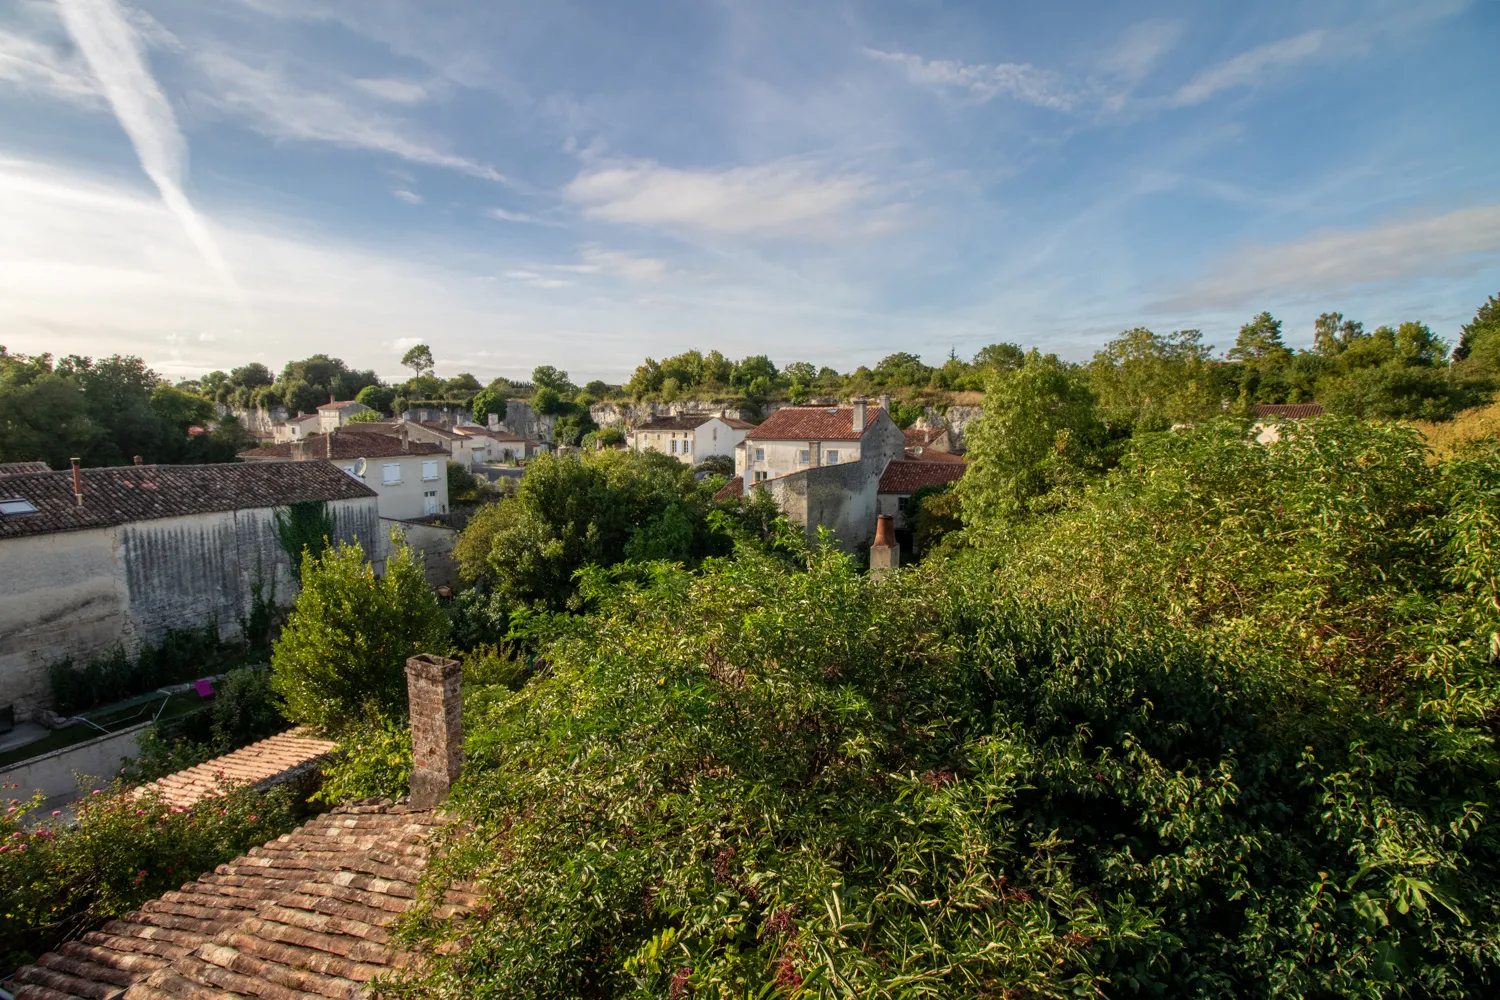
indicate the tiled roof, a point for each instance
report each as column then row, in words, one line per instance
column 340, row 404
column 920, row 437
column 505, row 437
column 346, row 444
column 738, row 424
column 813, row 423
column 931, row 455
column 121, row 494
column 734, row 488
column 310, row 914
column 908, row 477
column 260, row 764
column 676, row 422
column 439, row 429
column 20, row 468
column 1288, row 411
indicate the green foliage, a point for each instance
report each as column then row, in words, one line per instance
column 374, row 762
column 304, row 528
column 379, row 398
column 244, row 709
column 547, row 401
column 934, row 513
column 1041, row 429
column 183, row 655
column 548, row 377
column 463, row 485
column 342, row 656
column 365, row 417
column 418, row 358
column 821, row 787
column 487, row 402
column 59, row 879
column 1148, row 381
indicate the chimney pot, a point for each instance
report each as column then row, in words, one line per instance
column 138, row 460
column 859, row 414
column 885, row 402
column 885, row 554
column 77, row 482
column 331, row 399
column 433, row 690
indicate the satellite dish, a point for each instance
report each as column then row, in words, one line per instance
column 359, row 468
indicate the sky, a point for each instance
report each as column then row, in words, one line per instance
column 205, row 183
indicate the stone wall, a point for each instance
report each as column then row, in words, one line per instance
column 521, row 419
column 434, row 542
column 254, row 419
column 74, row 594
column 841, row 498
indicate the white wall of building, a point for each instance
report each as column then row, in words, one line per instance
column 407, row 486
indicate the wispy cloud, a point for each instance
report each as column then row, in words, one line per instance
column 537, row 280
column 505, row 215
column 1140, row 48
column 777, row 199
column 1250, row 68
column 1333, row 260
column 114, row 53
column 597, row 260
column 396, row 90
column 985, row 81
column 277, row 108
column 410, row 197
column 35, row 67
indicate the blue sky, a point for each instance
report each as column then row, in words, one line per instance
column 207, row 182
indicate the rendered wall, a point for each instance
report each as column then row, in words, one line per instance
column 75, row 594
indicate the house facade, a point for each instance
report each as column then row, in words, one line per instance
column 500, row 447
column 901, row 479
column 336, row 413
column 409, row 478
column 690, row 437
column 123, row 555
column 296, row 428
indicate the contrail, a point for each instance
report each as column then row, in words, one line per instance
column 113, row 51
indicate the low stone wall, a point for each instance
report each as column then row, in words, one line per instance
column 52, row 773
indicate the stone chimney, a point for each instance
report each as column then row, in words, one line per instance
column 885, row 554
column 77, row 482
column 494, row 421
column 328, row 439
column 299, row 450
column 137, row 460
column 885, row 402
column 859, row 414
column 437, row 727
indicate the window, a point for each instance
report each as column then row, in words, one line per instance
column 760, row 476
column 390, row 473
column 674, row 446
column 901, row 503
column 17, row 505
column 804, row 457
column 833, row 458
column 429, row 471
column 760, row 454
column 687, row 446
column 430, row 502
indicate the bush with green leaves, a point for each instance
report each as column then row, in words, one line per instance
column 341, row 658
column 759, row 781
column 58, row 879
column 244, row 709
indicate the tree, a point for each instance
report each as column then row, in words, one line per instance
column 487, row 402
column 902, row 369
column 378, row 397
column 251, row 376
column 757, row 366
column 1000, row 357
column 1483, row 328
column 800, row 373
column 548, row 377
column 1332, row 333
column 1260, row 339
column 597, row 389
column 1040, row 430
column 341, row 659
column 461, row 385
column 419, row 359
column 546, row 401
column 1146, row 380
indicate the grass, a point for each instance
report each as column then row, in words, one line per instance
column 1451, row 436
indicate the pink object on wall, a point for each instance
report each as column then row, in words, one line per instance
column 204, row 687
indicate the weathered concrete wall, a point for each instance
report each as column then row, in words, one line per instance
column 73, row 595
column 434, row 542
column 958, row 420
column 52, row 774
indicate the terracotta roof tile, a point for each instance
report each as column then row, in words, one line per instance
column 920, row 437
column 734, row 488
column 813, row 423
column 1288, row 411
column 20, row 468
column 908, row 477
column 307, row 915
column 347, row 444
column 929, row 455
column 261, row 764
column 121, row 494
column 340, row 404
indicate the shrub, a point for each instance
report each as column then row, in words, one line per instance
column 59, row 879
column 183, row 655
column 342, row 656
column 244, row 710
column 374, row 761
column 304, row 528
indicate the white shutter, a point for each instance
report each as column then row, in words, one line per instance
column 390, row 473
column 429, row 471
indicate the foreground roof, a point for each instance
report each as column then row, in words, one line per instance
column 261, row 765
column 921, row 437
column 345, row 444
column 814, row 423
column 676, row 422
column 127, row 493
column 1288, row 411
column 734, row 488
column 307, row 915
column 908, row 477
column 20, row 468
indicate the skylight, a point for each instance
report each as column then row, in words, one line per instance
column 16, row 505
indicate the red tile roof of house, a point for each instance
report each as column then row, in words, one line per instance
column 310, row 914
column 734, row 488
column 340, row 404
column 814, row 423
column 126, row 493
column 21, row 468
column 920, row 437
column 738, row 424
column 907, row 477
column 262, row 764
column 675, row 422
column 347, row 444
column 1287, row 411
column 930, row 455
column 504, row 437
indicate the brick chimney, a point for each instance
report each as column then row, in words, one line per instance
column 885, row 554
column 77, row 482
column 137, row 460
column 437, row 727
column 859, row 414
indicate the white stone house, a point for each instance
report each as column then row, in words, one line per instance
column 122, row 555
column 336, row 413
column 409, row 478
column 296, row 428
column 690, row 437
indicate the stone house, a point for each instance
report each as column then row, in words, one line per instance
column 296, row 428
column 336, row 413
column 903, row 478
column 409, row 478
column 94, row 557
column 690, row 437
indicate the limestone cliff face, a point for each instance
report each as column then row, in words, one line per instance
column 959, row 419
column 521, row 419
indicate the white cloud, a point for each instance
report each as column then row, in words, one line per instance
column 1332, row 260
column 536, row 280
column 985, row 81
column 1141, row 48
column 272, row 105
column 1249, row 68
column 597, row 260
column 410, row 197
column 36, row 67
column 777, row 199
column 502, row 215
column 395, row 90
column 114, row 53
